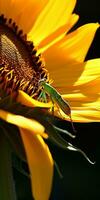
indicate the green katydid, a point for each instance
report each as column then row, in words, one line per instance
column 55, row 97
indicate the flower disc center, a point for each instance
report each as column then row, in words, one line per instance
column 20, row 67
column 15, row 55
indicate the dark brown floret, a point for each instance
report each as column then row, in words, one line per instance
column 20, row 67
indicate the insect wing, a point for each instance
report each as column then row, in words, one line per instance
column 64, row 106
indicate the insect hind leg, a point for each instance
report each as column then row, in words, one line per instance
column 69, row 115
column 52, row 109
column 72, row 124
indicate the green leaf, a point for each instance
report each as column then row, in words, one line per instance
column 46, row 120
column 13, row 136
column 19, row 165
column 7, row 186
column 64, row 132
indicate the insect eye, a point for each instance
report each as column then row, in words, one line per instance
column 41, row 81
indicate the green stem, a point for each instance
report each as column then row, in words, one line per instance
column 7, row 188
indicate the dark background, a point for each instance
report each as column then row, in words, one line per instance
column 81, row 180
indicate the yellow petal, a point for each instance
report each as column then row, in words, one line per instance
column 40, row 164
column 58, row 34
column 86, row 115
column 22, row 122
column 84, row 96
column 54, row 15
column 70, row 50
column 22, row 12
column 77, row 43
column 87, row 112
column 15, row 10
column 31, row 9
column 67, row 72
column 25, row 99
column 82, row 115
column 91, row 71
column 85, row 106
column 4, row 8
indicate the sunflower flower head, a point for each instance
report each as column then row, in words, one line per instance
column 20, row 67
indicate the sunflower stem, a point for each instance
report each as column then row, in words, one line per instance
column 7, row 188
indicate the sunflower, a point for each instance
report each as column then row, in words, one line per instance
column 35, row 44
